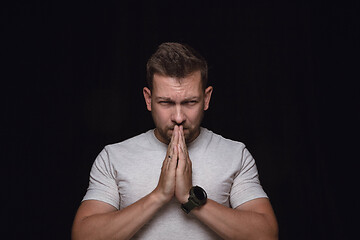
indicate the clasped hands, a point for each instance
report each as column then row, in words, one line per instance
column 176, row 172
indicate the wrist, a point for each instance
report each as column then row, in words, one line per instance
column 185, row 199
column 159, row 198
column 197, row 198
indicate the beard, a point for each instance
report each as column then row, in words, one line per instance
column 166, row 133
column 191, row 131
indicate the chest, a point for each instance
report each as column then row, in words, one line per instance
column 138, row 175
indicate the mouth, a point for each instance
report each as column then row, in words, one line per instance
column 172, row 129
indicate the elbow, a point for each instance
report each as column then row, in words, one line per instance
column 271, row 232
column 275, row 235
column 75, row 235
column 78, row 232
column 265, row 234
column 266, row 230
column 259, row 236
column 270, row 236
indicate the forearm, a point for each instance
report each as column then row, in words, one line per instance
column 122, row 224
column 236, row 224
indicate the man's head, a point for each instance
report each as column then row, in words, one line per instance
column 176, row 60
column 177, row 93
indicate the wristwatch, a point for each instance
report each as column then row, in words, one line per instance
column 197, row 198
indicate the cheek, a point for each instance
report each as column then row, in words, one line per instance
column 161, row 115
column 194, row 115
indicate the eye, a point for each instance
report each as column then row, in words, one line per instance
column 165, row 102
column 191, row 103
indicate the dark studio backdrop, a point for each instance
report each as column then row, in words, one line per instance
column 284, row 77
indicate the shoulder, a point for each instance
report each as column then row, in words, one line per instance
column 135, row 142
column 223, row 142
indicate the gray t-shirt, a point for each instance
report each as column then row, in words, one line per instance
column 127, row 171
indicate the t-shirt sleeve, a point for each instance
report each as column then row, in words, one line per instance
column 102, row 184
column 246, row 185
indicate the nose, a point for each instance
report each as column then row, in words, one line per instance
column 178, row 116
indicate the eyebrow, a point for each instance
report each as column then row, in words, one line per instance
column 163, row 99
column 169, row 99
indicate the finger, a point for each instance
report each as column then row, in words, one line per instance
column 185, row 164
column 188, row 165
column 182, row 160
column 167, row 160
column 169, row 150
column 182, row 142
column 181, row 135
column 176, row 135
column 173, row 161
column 182, row 132
column 172, row 154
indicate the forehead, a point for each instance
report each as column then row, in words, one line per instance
column 166, row 86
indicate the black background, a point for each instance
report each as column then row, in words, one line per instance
column 284, row 77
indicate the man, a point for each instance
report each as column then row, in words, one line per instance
column 179, row 181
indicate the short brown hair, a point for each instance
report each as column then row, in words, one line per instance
column 176, row 60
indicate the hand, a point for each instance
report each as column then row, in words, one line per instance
column 183, row 170
column 166, row 186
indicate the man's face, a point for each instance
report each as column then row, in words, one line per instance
column 177, row 102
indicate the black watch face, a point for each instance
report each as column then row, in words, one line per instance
column 199, row 193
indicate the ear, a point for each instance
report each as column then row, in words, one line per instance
column 147, row 97
column 208, row 92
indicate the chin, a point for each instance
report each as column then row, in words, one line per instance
column 169, row 134
column 188, row 136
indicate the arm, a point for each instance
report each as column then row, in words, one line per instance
column 252, row 220
column 99, row 220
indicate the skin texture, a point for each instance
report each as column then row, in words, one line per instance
column 177, row 107
column 177, row 102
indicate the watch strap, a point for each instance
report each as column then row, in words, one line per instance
column 190, row 205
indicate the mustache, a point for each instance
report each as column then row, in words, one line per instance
column 172, row 128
